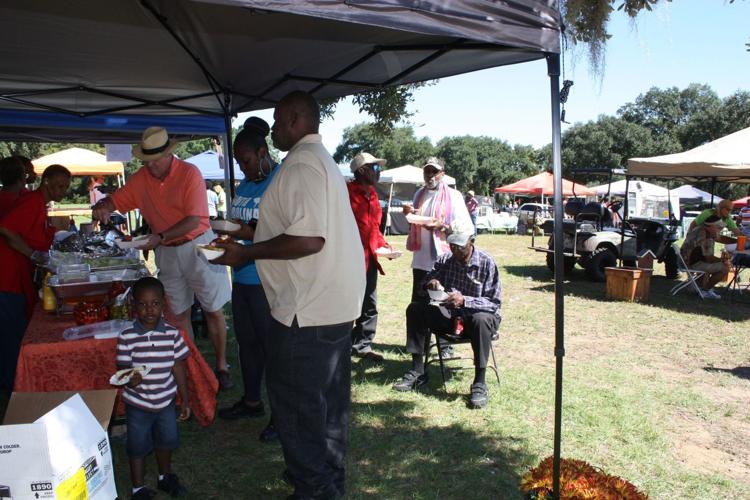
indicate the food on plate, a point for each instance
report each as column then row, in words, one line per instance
column 126, row 237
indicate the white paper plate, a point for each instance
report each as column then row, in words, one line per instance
column 437, row 295
column 119, row 379
column 136, row 242
column 419, row 219
column 388, row 253
column 210, row 253
column 224, row 225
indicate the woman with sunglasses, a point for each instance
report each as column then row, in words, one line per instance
column 367, row 212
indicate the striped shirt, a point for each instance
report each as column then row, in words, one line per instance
column 158, row 349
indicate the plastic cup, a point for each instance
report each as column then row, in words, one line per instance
column 741, row 242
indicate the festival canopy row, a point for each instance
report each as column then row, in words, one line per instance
column 80, row 161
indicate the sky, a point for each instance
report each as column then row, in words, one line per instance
column 680, row 42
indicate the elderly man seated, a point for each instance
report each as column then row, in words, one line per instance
column 698, row 252
column 472, row 282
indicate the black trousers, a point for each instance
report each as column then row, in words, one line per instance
column 419, row 294
column 13, row 321
column 308, row 374
column 364, row 329
column 421, row 319
column 252, row 325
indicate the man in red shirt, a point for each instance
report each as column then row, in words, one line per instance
column 367, row 212
column 171, row 195
column 12, row 176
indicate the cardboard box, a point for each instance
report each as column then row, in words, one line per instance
column 54, row 445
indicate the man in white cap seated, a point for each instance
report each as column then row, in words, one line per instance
column 471, row 280
column 427, row 242
column 367, row 212
column 171, row 195
column 698, row 252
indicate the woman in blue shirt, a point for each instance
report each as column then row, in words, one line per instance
column 250, row 310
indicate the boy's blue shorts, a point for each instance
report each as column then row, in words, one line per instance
column 148, row 431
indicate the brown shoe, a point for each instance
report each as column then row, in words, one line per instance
column 369, row 355
column 225, row 380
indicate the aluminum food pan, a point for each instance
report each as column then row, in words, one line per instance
column 99, row 283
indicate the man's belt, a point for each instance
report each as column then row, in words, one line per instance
column 182, row 241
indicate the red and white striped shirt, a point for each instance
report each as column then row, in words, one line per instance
column 158, row 349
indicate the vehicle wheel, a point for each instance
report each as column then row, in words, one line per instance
column 670, row 263
column 568, row 263
column 601, row 258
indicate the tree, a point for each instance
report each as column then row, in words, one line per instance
column 398, row 147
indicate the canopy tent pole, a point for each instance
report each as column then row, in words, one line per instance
column 713, row 189
column 228, row 152
column 624, row 218
column 388, row 208
column 553, row 70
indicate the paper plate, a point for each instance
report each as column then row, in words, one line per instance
column 437, row 295
column 419, row 219
column 210, row 253
column 388, row 253
column 122, row 377
column 224, row 225
column 136, row 242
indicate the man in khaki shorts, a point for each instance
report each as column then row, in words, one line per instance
column 171, row 195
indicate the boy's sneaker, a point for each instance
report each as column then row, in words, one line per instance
column 170, row 484
column 142, row 494
column 241, row 409
column 269, row 434
column 410, row 381
column 479, row 395
column 225, row 380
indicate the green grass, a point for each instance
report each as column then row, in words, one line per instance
column 656, row 393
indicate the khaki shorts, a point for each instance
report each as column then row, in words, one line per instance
column 184, row 271
column 709, row 267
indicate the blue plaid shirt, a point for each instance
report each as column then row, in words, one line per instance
column 478, row 281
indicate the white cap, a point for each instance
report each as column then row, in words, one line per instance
column 461, row 233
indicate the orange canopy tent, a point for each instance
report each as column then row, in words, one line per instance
column 543, row 185
column 80, row 162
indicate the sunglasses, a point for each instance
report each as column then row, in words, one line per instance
column 374, row 166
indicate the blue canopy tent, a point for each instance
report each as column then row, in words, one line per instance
column 209, row 163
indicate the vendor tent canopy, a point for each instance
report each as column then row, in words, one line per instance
column 618, row 188
column 727, row 159
column 209, row 163
column 80, row 162
column 688, row 192
column 543, row 185
column 409, row 174
column 742, row 202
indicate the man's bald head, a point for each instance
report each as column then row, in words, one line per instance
column 295, row 116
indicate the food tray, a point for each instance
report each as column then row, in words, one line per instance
column 114, row 263
column 99, row 283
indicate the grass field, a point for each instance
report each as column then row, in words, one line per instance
column 656, row 393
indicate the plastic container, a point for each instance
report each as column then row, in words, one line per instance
column 741, row 242
column 73, row 273
column 104, row 329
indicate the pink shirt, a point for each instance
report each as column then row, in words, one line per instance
column 165, row 203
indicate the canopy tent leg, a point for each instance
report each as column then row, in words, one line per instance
column 228, row 152
column 553, row 70
column 388, row 208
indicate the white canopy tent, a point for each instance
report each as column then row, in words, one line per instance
column 727, row 158
column 618, row 188
column 688, row 192
column 210, row 165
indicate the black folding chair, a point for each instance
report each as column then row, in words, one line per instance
column 453, row 339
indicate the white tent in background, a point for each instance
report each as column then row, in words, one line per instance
column 408, row 174
column 618, row 188
column 212, row 166
column 688, row 192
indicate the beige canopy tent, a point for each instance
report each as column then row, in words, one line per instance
column 80, row 162
column 727, row 159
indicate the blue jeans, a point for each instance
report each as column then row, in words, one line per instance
column 308, row 375
column 148, row 430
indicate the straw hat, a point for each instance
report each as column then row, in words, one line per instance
column 155, row 143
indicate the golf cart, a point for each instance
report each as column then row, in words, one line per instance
column 592, row 240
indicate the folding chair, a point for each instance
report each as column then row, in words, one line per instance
column 453, row 339
column 692, row 275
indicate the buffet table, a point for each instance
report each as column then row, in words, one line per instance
column 49, row 363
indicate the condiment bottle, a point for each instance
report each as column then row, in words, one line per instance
column 49, row 303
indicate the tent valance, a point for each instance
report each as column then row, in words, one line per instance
column 80, row 162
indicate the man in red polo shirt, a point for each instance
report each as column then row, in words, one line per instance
column 171, row 195
column 367, row 212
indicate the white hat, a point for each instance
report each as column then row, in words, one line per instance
column 363, row 159
column 460, row 233
column 155, row 143
column 435, row 162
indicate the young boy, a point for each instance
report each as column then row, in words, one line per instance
column 150, row 399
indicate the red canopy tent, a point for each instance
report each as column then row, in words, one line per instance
column 543, row 185
column 742, row 202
